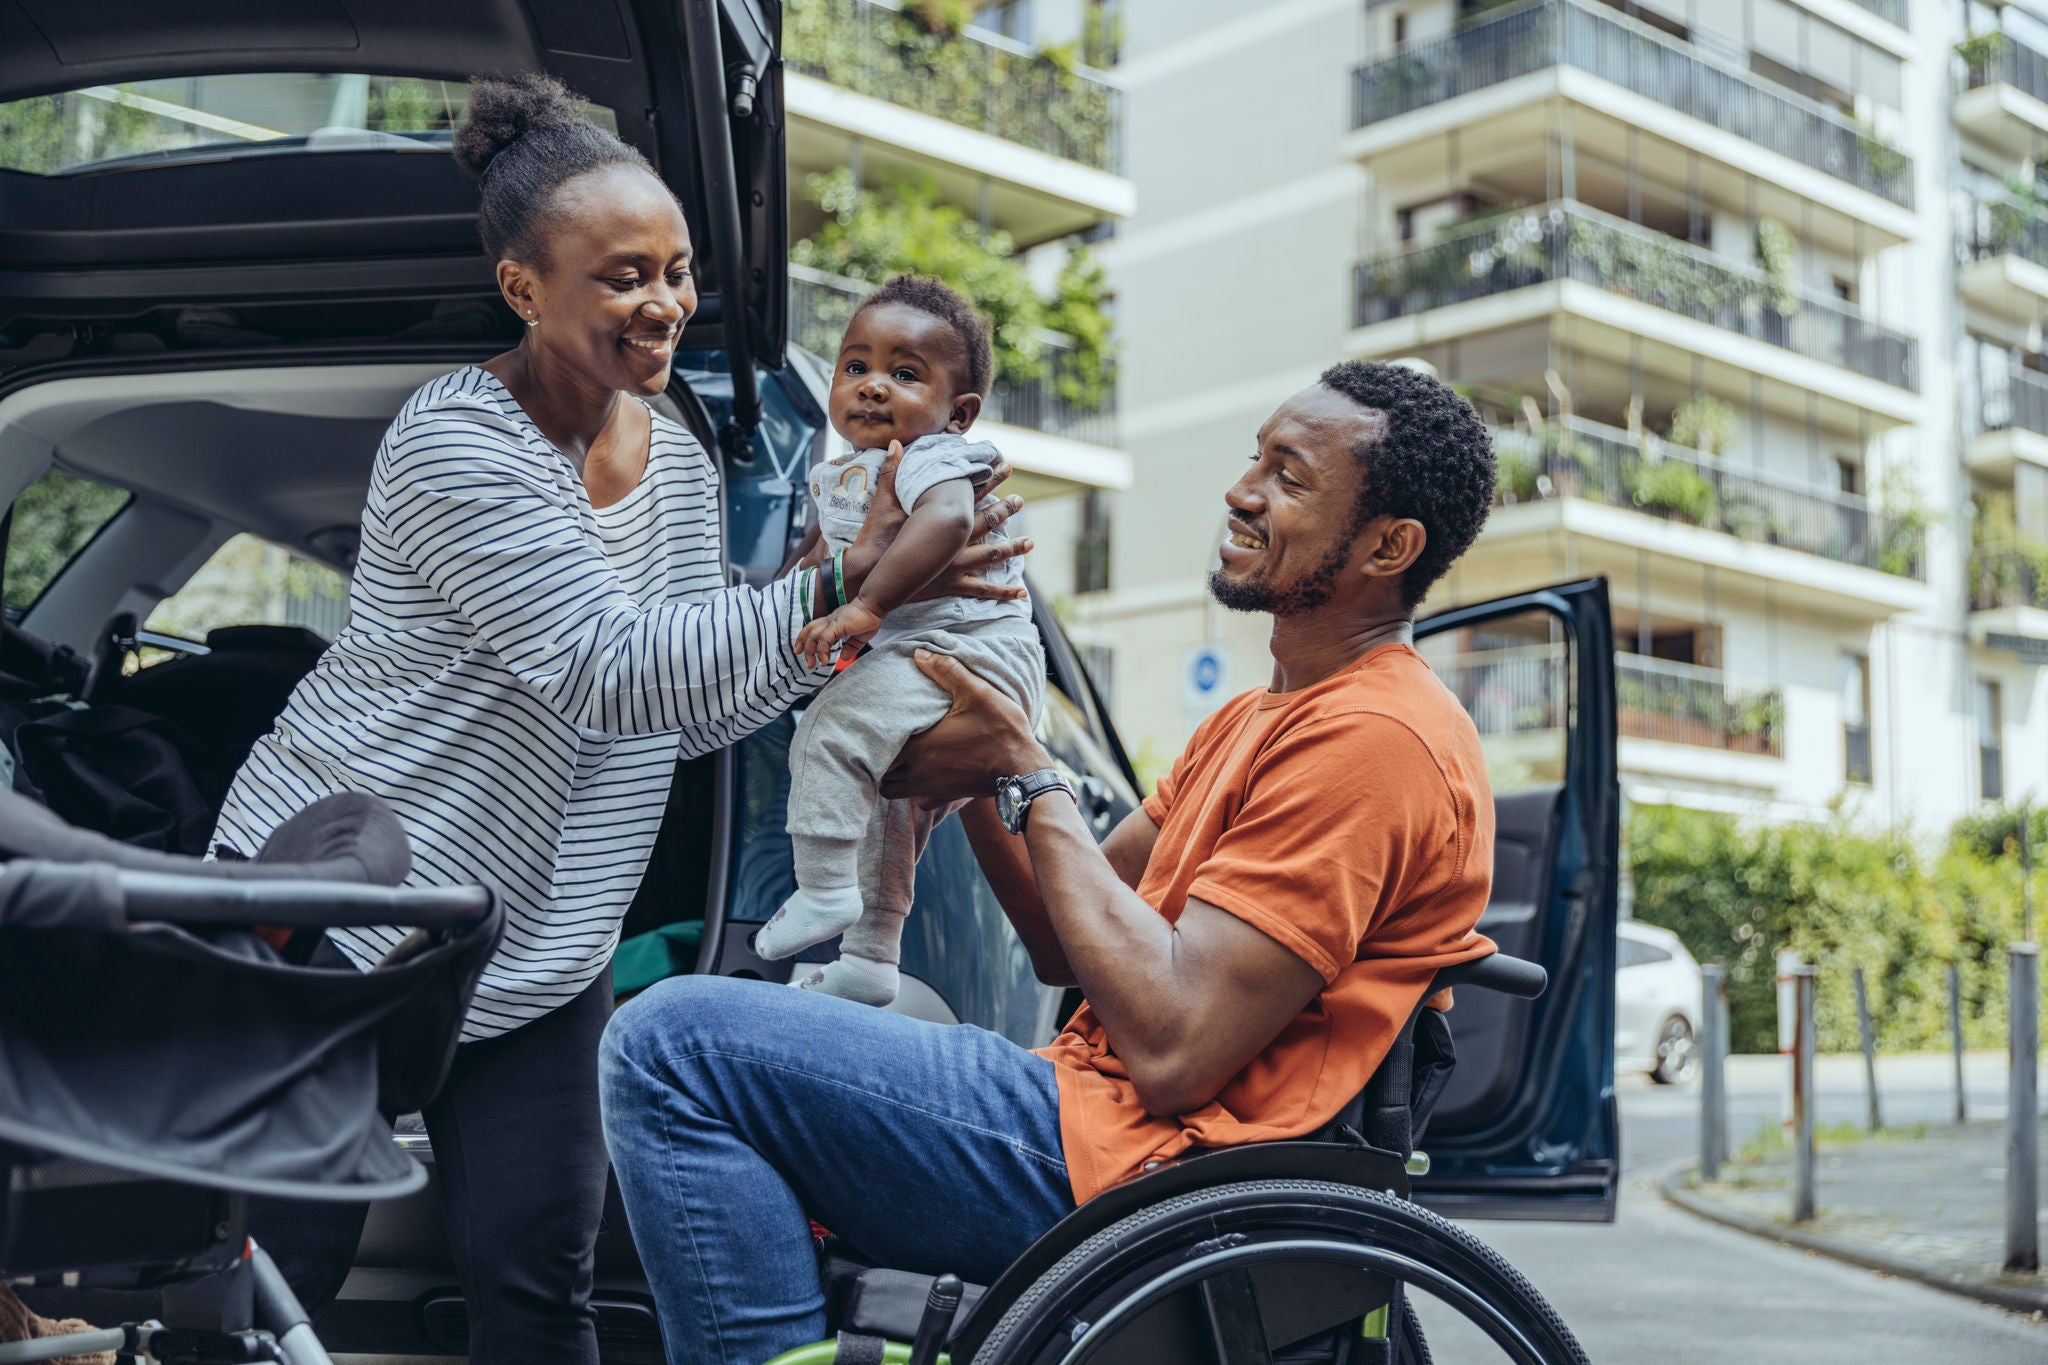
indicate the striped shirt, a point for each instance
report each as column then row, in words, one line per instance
column 520, row 674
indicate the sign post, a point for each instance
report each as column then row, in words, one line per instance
column 1205, row 679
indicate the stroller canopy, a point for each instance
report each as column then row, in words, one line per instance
column 191, row 1051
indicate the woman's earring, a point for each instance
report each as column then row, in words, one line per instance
column 533, row 321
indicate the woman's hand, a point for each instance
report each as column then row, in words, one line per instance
column 983, row 736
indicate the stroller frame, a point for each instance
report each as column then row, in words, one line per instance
column 65, row 1183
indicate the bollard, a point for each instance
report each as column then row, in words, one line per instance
column 1788, row 1028
column 1955, row 1028
column 1713, row 1078
column 1876, row 1119
column 1803, row 1099
column 2022, row 1109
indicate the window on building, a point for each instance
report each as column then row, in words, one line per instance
column 252, row 582
column 54, row 518
column 1990, row 741
column 1848, row 475
column 1091, row 547
column 1856, row 766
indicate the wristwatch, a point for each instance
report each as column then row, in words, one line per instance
column 1014, row 795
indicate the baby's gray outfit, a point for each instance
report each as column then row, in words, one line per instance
column 842, row 832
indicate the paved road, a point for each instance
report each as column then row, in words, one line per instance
column 1661, row 1285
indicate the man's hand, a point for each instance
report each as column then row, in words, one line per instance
column 983, row 736
column 845, row 630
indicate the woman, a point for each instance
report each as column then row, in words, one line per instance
column 539, row 630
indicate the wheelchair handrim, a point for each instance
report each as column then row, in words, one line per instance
column 1404, row 1268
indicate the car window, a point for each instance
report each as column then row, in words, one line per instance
column 249, row 581
column 1512, row 674
column 52, row 521
column 1629, row 953
column 183, row 117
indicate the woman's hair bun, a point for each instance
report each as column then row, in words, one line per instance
column 503, row 111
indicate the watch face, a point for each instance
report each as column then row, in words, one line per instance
column 1008, row 801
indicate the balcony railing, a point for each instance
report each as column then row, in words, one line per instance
column 979, row 81
column 1893, row 10
column 1604, row 464
column 1524, row 691
column 820, row 305
column 2018, row 398
column 2000, row 227
column 2012, row 64
column 1569, row 241
column 2007, row 578
column 1635, row 57
column 1681, row 704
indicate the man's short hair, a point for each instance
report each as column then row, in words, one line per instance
column 940, row 300
column 1433, row 462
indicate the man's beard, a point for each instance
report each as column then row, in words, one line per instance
column 1305, row 594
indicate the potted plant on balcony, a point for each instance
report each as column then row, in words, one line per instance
column 1674, row 489
column 1777, row 253
column 1515, row 466
column 1903, row 518
column 1981, row 53
column 1754, row 723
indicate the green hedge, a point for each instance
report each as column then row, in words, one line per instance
column 1738, row 892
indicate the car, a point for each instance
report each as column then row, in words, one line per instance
column 202, row 340
column 1656, row 1003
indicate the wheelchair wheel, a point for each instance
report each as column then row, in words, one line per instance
column 1220, row 1263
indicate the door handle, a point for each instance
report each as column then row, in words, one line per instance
column 1096, row 800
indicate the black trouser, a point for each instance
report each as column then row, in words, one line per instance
column 520, row 1152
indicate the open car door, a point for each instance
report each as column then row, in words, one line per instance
column 1527, row 1127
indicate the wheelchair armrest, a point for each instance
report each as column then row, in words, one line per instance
column 1495, row 972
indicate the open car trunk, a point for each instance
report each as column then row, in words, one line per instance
column 270, row 175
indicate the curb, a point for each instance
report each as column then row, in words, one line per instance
column 2018, row 1298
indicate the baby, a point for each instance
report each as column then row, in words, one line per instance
column 912, row 368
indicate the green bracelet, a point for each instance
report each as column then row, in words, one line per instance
column 839, row 577
column 806, row 586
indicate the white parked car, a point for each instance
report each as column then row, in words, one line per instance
column 1656, row 1004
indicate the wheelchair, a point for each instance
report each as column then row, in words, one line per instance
column 161, row 1063
column 1283, row 1253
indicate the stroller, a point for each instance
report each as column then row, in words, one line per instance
column 160, row 1063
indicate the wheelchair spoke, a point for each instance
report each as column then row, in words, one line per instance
column 1483, row 1314
column 1231, row 1303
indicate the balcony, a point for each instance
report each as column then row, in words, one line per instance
column 1575, row 246
column 1604, row 465
column 2002, row 98
column 2012, row 424
column 1892, row 11
column 1515, row 692
column 1056, row 444
column 1577, row 36
column 1023, row 137
column 2009, row 600
column 2002, row 251
column 2007, row 578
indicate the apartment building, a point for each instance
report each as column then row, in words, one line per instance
column 1751, row 292
column 1011, row 126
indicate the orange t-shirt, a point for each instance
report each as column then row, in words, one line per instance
column 1350, row 822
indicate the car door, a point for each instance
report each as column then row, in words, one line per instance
column 1527, row 1127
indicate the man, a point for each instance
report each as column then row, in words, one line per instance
column 1248, row 943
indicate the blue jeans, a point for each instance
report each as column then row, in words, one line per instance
column 737, row 1110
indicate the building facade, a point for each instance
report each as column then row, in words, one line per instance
column 1751, row 292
